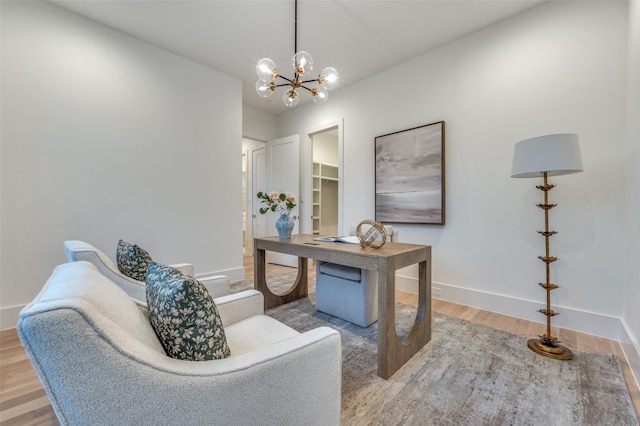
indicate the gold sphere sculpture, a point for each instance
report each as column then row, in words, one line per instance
column 374, row 236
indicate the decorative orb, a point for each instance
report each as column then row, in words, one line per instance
column 373, row 236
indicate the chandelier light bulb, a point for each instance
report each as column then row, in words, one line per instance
column 320, row 94
column 302, row 62
column 266, row 68
column 328, row 78
column 290, row 98
column 265, row 87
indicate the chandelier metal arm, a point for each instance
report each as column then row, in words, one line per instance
column 295, row 77
column 301, row 84
column 285, row 78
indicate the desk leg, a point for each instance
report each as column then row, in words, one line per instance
column 392, row 352
column 300, row 287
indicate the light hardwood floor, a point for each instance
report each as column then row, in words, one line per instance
column 23, row 400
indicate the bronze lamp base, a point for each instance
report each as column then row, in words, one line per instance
column 554, row 350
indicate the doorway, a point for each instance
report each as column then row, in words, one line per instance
column 325, row 182
column 248, row 148
column 328, row 153
column 271, row 165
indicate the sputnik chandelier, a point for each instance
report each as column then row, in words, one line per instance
column 302, row 66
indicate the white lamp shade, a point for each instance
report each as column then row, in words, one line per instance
column 555, row 154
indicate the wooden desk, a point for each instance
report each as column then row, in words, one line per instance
column 392, row 352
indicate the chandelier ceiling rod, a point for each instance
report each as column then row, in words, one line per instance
column 295, row 49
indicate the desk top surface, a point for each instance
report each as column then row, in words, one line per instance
column 303, row 245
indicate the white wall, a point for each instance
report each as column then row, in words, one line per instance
column 325, row 148
column 106, row 137
column 258, row 125
column 560, row 67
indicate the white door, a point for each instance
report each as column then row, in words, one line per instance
column 259, row 182
column 277, row 168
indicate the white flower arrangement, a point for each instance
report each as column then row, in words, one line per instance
column 280, row 202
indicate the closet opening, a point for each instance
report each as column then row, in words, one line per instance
column 325, row 182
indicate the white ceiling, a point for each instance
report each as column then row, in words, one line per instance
column 359, row 38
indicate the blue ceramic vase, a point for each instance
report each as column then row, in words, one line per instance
column 284, row 225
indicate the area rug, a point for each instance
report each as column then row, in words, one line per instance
column 468, row 374
column 278, row 284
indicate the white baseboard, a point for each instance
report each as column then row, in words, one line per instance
column 235, row 274
column 631, row 349
column 573, row 319
column 9, row 316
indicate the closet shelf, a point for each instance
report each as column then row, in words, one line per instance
column 322, row 172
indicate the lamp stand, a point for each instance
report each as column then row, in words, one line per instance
column 548, row 345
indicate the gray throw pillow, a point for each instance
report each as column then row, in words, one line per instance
column 132, row 260
column 184, row 315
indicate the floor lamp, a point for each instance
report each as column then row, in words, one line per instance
column 545, row 156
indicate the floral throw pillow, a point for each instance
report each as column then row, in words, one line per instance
column 184, row 315
column 132, row 260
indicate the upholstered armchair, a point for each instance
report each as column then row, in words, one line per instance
column 100, row 361
column 217, row 285
column 347, row 292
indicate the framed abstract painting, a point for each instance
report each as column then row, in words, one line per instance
column 410, row 175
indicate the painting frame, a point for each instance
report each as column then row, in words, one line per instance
column 410, row 175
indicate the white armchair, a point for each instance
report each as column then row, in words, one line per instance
column 217, row 285
column 347, row 292
column 100, row 361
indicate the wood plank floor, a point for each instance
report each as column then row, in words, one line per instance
column 23, row 400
